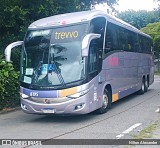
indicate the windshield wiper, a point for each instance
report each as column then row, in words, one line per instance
column 36, row 73
column 51, row 55
column 59, row 75
column 37, row 70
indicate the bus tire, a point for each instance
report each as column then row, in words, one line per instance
column 144, row 87
column 106, row 102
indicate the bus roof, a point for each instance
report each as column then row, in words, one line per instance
column 82, row 16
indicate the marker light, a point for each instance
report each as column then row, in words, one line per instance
column 77, row 95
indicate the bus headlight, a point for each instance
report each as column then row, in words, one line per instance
column 79, row 94
column 24, row 96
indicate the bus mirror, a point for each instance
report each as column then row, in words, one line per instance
column 86, row 42
column 9, row 48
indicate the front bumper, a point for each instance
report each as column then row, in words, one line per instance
column 73, row 106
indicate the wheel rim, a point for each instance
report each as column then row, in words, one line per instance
column 105, row 101
column 143, row 86
column 146, row 84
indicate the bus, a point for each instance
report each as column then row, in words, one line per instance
column 81, row 62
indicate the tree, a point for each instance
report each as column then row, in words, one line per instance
column 16, row 15
column 139, row 19
column 154, row 31
column 9, row 85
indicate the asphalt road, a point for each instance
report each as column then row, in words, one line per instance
column 125, row 119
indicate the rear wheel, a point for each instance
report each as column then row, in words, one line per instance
column 106, row 103
column 144, row 87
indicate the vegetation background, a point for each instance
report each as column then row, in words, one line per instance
column 16, row 15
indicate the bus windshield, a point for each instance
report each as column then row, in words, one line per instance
column 53, row 56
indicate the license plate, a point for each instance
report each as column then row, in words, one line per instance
column 48, row 110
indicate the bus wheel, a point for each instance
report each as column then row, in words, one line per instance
column 144, row 87
column 106, row 103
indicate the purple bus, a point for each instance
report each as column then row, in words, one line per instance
column 81, row 62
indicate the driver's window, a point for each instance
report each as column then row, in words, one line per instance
column 93, row 57
column 97, row 26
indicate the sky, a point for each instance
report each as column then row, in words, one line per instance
column 130, row 4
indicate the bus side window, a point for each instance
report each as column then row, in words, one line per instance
column 148, row 45
column 108, row 41
column 93, row 57
column 97, row 26
column 133, row 44
column 145, row 44
column 140, row 43
column 122, row 39
column 111, row 39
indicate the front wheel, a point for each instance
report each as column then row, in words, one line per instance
column 106, row 103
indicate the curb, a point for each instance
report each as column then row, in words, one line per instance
column 11, row 110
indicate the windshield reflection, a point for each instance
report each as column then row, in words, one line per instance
column 45, row 62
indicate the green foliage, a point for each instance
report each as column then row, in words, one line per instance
column 9, row 85
column 16, row 15
column 139, row 19
column 154, row 31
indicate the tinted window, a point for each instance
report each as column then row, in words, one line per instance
column 119, row 38
column 132, row 41
column 97, row 26
column 145, row 44
column 93, row 57
column 111, row 41
column 122, row 38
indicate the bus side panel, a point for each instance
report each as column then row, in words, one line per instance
column 151, row 74
column 146, row 67
column 96, row 86
column 151, row 80
column 125, row 70
column 113, row 65
column 130, row 69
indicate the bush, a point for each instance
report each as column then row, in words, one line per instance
column 9, row 85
